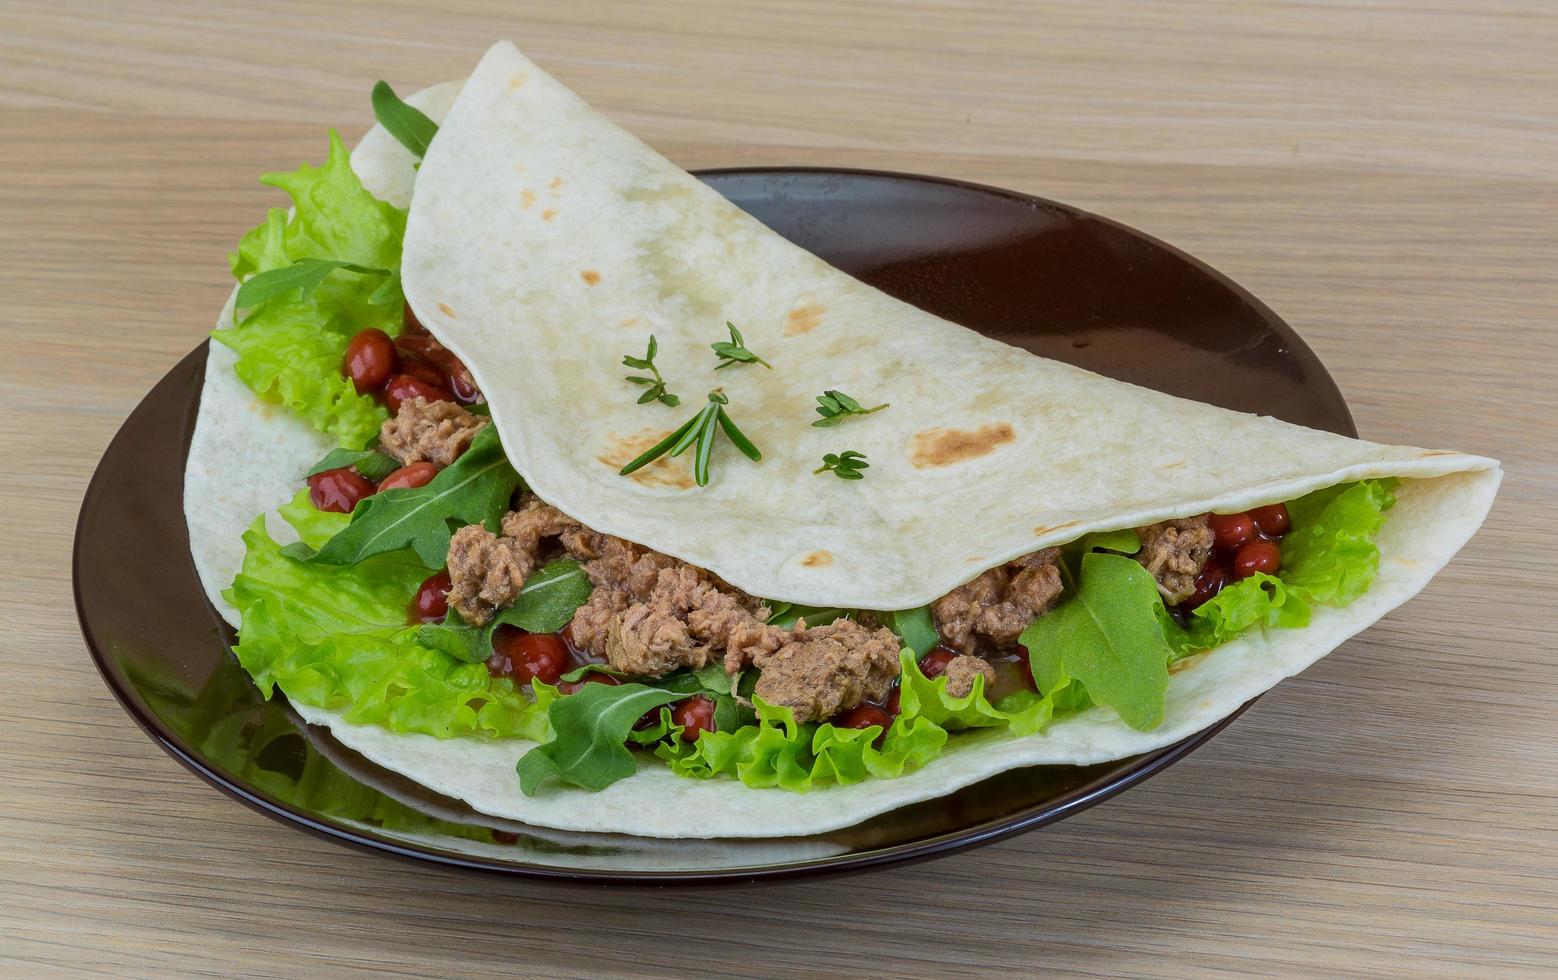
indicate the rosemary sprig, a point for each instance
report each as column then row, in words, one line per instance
column 835, row 407
column 655, row 384
column 735, row 351
column 699, row 431
column 845, row 465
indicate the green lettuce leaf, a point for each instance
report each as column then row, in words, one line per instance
column 290, row 345
column 314, row 526
column 778, row 751
column 338, row 638
column 1328, row 558
column 1330, row 555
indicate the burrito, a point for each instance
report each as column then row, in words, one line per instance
column 545, row 476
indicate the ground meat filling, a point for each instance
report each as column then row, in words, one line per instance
column 1175, row 552
column 485, row 572
column 819, row 672
column 650, row 614
column 434, row 432
column 962, row 670
column 999, row 604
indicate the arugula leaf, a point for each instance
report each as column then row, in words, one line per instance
column 405, row 122
column 371, row 463
column 591, row 727
column 915, row 627
column 1108, row 637
column 548, row 601
column 304, row 274
column 474, row 489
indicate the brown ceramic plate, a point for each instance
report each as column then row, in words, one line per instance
column 1055, row 280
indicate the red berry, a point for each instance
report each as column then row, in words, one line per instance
column 1210, row 582
column 337, row 491
column 695, row 715
column 408, row 477
column 934, row 664
column 1273, row 521
column 370, row 360
column 527, row 656
column 431, row 603
column 404, row 387
column 1257, row 556
column 1231, row 530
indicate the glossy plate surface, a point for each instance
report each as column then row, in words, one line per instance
column 1046, row 277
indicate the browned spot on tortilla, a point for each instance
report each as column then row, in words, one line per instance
column 973, row 558
column 555, row 186
column 663, row 472
column 590, row 276
column 1044, row 529
column 548, row 214
column 1180, row 665
column 1169, row 466
column 446, row 310
column 943, row 447
column 527, row 197
column 817, row 559
column 628, row 322
column 804, row 319
column 1439, row 452
column 516, row 80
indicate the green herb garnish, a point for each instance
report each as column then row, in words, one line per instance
column 406, row 123
column 304, row 274
column 735, row 351
column 699, row 431
column 845, row 465
column 835, row 407
column 656, row 384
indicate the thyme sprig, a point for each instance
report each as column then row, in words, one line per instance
column 699, row 431
column 735, row 351
column 656, row 385
column 835, row 407
column 845, row 465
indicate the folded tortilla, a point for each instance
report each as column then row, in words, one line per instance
column 544, row 242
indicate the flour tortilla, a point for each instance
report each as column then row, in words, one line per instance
column 1085, row 452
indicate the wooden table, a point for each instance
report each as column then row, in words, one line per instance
column 1386, row 178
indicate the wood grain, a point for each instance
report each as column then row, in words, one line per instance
column 1384, row 176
